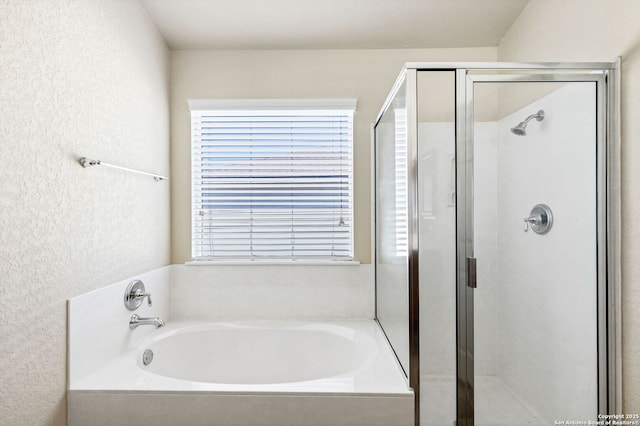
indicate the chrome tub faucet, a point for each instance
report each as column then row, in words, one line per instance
column 137, row 320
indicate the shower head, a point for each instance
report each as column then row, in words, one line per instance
column 521, row 128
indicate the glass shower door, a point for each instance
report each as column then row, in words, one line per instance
column 533, row 170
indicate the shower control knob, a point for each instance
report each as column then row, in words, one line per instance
column 135, row 294
column 540, row 219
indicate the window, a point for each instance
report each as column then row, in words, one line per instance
column 272, row 179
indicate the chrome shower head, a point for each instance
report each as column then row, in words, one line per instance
column 521, row 128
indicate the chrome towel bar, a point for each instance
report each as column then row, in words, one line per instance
column 87, row 162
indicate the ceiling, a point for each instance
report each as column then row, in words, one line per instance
column 332, row 24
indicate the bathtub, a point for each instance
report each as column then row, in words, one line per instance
column 258, row 372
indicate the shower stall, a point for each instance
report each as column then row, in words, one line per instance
column 497, row 240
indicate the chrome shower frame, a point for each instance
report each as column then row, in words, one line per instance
column 607, row 78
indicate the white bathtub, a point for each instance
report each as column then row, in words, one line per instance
column 259, row 353
column 261, row 372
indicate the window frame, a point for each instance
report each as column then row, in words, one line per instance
column 272, row 106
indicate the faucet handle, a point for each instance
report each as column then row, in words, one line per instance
column 141, row 295
column 531, row 220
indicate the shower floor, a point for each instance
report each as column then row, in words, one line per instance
column 497, row 404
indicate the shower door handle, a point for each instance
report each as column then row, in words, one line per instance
column 472, row 277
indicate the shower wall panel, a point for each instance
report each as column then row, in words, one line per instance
column 546, row 291
column 486, row 219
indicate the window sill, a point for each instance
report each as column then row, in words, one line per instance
column 279, row 262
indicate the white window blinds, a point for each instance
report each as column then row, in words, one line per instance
column 272, row 179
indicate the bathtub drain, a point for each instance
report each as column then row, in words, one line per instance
column 147, row 357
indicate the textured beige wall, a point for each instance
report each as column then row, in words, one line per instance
column 77, row 78
column 599, row 30
column 364, row 74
